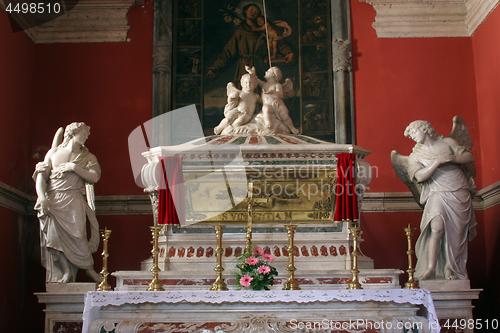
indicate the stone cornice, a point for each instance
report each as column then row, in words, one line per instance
column 429, row 18
column 90, row 21
column 140, row 204
column 15, row 200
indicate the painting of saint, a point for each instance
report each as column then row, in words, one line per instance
column 235, row 37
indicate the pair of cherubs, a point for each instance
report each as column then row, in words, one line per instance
column 241, row 104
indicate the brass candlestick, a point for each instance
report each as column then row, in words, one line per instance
column 411, row 284
column 155, row 284
column 104, row 285
column 219, row 283
column 248, row 245
column 262, row 202
column 355, row 231
column 291, row 284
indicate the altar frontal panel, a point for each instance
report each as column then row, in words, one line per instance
column 295, row 194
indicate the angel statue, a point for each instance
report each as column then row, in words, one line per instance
column 274, row 110
column 439, row 173
column 240, row 105
column 65, row 200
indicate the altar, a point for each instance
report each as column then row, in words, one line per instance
column 254, row 311
column 216, row 175
column 295, row 173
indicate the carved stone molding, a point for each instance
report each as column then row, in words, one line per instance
column 23, row 203
column 15, row 200
column 90, row 21
column 342, row 55
column 162, row 54
column 436, row 18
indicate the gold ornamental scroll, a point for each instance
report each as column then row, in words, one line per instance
column 300, row 194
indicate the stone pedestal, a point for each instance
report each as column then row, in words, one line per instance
column 64, row 306
column 453, row 301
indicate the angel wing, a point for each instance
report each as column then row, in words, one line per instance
column 461, row 134
column 288, row 88
column 233, row 95
column 58, row 138
column 231, row 89
column 400, row 165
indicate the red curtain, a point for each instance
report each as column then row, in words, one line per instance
column 346, row 208
column 171, row 206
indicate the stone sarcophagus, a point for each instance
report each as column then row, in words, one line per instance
column 295, row 178
column 297, row 173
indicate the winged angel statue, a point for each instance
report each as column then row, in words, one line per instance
column 439, row 173
column 63, row 180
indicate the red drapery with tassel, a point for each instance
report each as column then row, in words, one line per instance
column 346, row 207
column 171, row 206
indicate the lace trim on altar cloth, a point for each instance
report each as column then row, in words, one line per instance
column 94, row 300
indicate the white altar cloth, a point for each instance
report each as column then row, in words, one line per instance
column 95, row 300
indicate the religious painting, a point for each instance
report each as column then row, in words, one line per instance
column 214, row 41
column 202, row 45
column 189, row 9
column 316, row 117
column 188, row 61
column 188, row 90
column 189, row 32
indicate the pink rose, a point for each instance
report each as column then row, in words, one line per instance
column 264, row 269
column 252, row 261
column 258, row 250
column 268, row 257
column 246, row 280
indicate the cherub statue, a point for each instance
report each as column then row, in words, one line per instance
column 241, row 104
column 439, row 173
column 272, row 100
column 65, row 200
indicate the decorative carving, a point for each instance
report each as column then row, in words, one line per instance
column 162, row 54
column 190, row 215
column 416, row 18
column 342, row 55
column 90, row 21
column 258, row 324
column 323, row 209
column 153, row 196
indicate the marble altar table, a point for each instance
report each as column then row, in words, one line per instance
column 384, row 310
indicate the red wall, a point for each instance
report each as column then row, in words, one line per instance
column 16, row 69
column 106, row 85
column 16, row 59
column 487, row 66
column 109, row 86
column 398, row 80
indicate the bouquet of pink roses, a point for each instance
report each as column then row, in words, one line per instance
column 254, row 270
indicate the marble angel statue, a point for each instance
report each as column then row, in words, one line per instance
column 274, row 110
column 439, row 173
column 242, row 112
column 241, row 104
column 65, row 200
